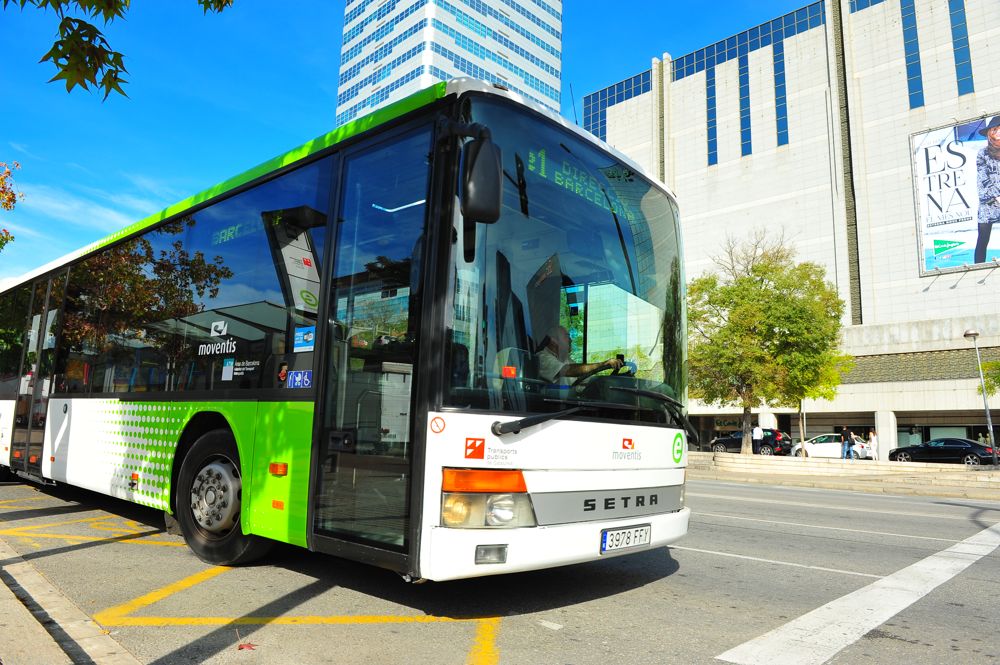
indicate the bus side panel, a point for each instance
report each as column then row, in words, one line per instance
column 98, row 444
column 6, row 429
column 126, row 449
column 280, row 505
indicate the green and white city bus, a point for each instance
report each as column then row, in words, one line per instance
column 447, row 339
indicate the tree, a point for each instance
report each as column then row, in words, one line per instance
column 81, row 55
column 763, row 329
column 9, row 196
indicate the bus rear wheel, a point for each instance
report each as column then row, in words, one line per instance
column 209, row 497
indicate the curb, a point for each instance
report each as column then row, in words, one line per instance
column 50, row 629
column 871, row 486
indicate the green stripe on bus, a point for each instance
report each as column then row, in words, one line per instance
column 353, row 128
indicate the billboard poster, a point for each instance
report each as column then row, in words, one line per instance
column 957, row 190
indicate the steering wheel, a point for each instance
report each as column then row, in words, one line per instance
column 601, row 368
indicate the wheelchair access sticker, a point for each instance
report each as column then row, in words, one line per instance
column 299, row 379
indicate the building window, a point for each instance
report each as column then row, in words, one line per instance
column 595, row 105
column 713, row 147
column 745, row 145
column 960, row 44
column 780, row 107
column 914, row 80
column 858, row 5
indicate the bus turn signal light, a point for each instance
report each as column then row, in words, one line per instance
column 278, row 468
column 508, row 372
column 482, row 481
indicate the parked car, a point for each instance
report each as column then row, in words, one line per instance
column 775, row 443
column 964, row 451
column 828, row 445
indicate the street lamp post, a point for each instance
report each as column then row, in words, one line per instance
column 973, row 334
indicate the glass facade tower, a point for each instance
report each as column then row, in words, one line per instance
column 392, row 48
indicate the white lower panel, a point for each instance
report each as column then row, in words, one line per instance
column 98, row 444
column 448, row 554
column 6, row 429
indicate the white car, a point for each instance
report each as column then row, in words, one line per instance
column 828, row 445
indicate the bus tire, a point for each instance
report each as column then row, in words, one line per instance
column 6, row 474
column 209, row 498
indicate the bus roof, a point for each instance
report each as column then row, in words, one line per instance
column 415, row 101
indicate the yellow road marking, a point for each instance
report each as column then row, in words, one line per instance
column 279, row 621
column 484, row 646
column 7, row 502
column 63, row 523
column 484, row 650
column 126, row 539
column 109, row 616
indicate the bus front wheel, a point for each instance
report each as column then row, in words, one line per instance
column 209, row 498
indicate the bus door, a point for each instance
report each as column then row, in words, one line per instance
column 36, row 383
column 364, row 445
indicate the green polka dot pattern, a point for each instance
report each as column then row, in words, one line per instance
column 140, row 438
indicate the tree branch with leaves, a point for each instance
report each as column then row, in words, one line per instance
column 9, row 196
column 82, row 56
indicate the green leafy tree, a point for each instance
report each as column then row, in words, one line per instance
column 991, row 376
column 81, row 54
column 763, row 329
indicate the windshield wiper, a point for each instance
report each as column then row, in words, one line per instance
column 670, row 405
column 516, row 426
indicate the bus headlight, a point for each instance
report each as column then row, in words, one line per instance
column 478, row 511
column 500, row 509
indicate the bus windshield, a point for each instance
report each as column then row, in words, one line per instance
column 575, row 296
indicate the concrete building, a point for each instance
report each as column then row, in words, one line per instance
column 393, row 48
column 856, row 127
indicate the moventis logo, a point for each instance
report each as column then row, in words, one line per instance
column 219, row 328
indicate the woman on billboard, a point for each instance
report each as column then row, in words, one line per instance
column 988, row 178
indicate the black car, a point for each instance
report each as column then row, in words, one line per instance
column 964, row 451
column 775, row 443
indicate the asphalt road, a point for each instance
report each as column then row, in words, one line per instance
column 766, row 575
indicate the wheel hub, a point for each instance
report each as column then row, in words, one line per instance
column 215, row 496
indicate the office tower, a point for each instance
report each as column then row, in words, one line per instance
column 392, row 48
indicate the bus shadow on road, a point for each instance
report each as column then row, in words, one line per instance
column 492, row 596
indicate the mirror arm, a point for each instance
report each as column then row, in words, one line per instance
column 448, row 128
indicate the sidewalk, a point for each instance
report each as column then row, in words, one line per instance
column 913, row 479
column 40, row 626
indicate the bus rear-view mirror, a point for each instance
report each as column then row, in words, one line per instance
column 482, row 181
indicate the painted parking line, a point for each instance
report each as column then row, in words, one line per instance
column 818, row 636
column 128, row 532
column 839, row 508
column 817, row 526
column 775, row 562
column 484, row 650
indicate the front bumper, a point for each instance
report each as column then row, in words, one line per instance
column 451, row 552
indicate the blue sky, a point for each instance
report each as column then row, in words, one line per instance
column 213, row 95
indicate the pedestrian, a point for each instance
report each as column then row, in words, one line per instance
column 757, row 437
column 873, row 443
column 846, row 442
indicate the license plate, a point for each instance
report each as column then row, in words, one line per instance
column 614, row 540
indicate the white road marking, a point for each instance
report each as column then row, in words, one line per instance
column 816, row 526
column 773, row 561
column 818, row 636
column 549, row 624
column 836, row 507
